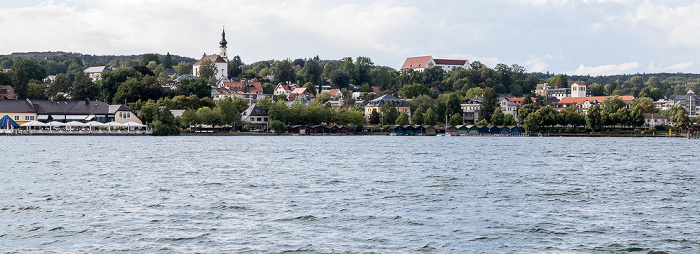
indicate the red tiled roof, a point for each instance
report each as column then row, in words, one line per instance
column 416, row 62
column 284, row 86
column 334, row 92
column 580, row 84
column 519, row 101
column 450, row 62
column 212, row 58
column 238, row 86
column 376, row 88
column 578, row 100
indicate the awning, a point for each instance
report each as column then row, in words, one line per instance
column 43, row 117
column 90, row 117
column 76, row 117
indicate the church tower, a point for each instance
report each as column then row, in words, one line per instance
column 222, row 46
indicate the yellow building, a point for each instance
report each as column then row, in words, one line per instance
column 376, row 105
column 123, row 114
column 21, row 111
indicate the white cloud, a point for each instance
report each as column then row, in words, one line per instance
column 605, row 70
column 678, row 26
column 538, row 64
column 679, row 67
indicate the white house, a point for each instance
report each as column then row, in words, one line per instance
column 509, row 107
column 421, row 62
column 96, row 72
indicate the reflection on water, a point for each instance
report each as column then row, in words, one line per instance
column 357, row 194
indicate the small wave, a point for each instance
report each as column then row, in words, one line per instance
column 305, row 249
column 232, row 207
column 301, row 218
column 177, row 239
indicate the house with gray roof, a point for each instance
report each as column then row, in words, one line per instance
column 95, row 72
column 255, row 116
column 376, row 105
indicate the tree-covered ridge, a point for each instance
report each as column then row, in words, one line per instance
column 60, row 62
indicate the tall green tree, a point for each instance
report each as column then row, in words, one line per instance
column 497, row 117
column 680, row 119
column 340, row 79
column 168, row 61
column 60, row 85
column 363, row 66
column 509, row 120
column 84, row 88
column 559, row 81
column 24, row 70
column 525, row 110
column 594, row 119
column 147, row 58
column 312, row 72
column 164, row 122
column 198, row 87
column 533, row 122
column 402, row 119
column 284, row 72
column 374, row 117
column 389, row 113
column 36, row 90
column 488, row 106
column 208, row 72
column 456, row 119
column 429, row 117
column 417, row 118
column 637, row 116
column 111, row 80
column 183, row 68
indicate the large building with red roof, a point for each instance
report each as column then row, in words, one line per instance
column 421, row 62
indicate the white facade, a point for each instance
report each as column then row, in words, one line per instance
column 578, row 90
column 509, row 107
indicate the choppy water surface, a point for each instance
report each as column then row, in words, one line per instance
column 349, row 194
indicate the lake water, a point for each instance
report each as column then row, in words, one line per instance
column 349, row 194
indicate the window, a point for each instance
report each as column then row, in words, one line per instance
column 16, row 118
column 29, row 118
column 121, row 115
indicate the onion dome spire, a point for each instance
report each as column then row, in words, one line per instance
column 223, row 39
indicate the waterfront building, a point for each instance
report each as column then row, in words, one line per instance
column 256, row 116
column 23, row 111
column 509, row 107
column 376, row 105
column 653, row 119
column 471, row 109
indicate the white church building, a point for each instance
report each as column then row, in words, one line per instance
column 220, row 61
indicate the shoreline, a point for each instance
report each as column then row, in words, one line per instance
column 141, row 133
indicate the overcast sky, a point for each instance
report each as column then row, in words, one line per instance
column 596, row 37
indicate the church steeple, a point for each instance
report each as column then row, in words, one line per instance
column 222, row 46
